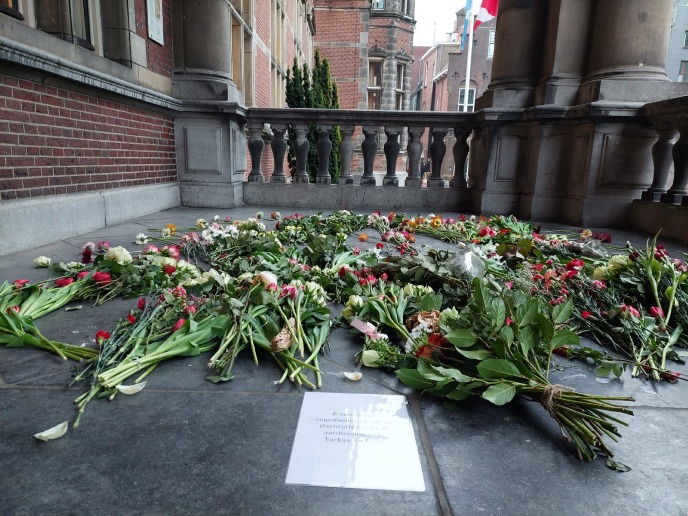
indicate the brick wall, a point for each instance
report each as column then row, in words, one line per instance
column 54, row 141
column 159, row 57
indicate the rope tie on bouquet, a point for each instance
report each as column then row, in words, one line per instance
column 549, row 393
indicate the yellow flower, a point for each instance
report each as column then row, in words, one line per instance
column 362, row 237
column 585, row 234
column 172, row 228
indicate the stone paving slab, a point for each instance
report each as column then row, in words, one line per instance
column 186, row 446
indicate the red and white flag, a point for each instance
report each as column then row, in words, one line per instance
column 487, row 11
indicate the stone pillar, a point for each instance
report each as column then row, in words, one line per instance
column 279, row 148
column 567, row 39
column 369, row 150
column 324, row 148
column 662, row 160
column 301, row 148
column 517, row 55
column 413, row 150
column 209, row 139
column 391, row 154
column 628, row 51
column 679, row 189
column 255, row 148
column 437, row 151
column 346, row 153
column 202, row 51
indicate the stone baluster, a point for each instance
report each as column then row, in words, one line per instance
column 369, row 150
column 391, row 154
column 301, row 148
column 255, row 148
column 460, row 149
column 662, row 159
column 679, row 189
column 413, row 151
column 437, row 151
column 279, row 148
column 324, row 147
column 346, row 153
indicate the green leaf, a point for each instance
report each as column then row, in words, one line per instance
column 495, row 369
column 414, row 379
column 528, row 338
column 498, row 311
column 428, row 372
column 564, row 338
column 462, row 339
column 475, row 354
column 218, row 379
column 562, row 312
column 453, row 374
column 603, row 371
column 527, row 312
column 499, row 394
column 617, row 466
column 507, row 335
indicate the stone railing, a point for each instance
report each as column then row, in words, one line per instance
column 670, row 119
column 392, row 123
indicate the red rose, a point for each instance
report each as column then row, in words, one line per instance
column 575, row 264
column 102, row 277
column 82, row 275
column 178, row 325
column 63, row 282
column 656, row 312
column 131, row 319
column 142, row 304
column 20, row 283
column 169, row 269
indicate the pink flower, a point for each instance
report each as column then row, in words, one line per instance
column 657, row 312
column 151, row 249
column 63, row 282
column 190, row 310
column 509, row 285
column 508, row 321
column 88, row 245
column 102, row 277
column 538, row 277
column 357, row 251
column 627, row 309
column 384, row 277
column 288, row 291
column 20, row 283
column 103, row 245
column 172, row 251
column 272, row 287
column 178, row 325
column 15, row 309
column 599, row 284
column 575, row 265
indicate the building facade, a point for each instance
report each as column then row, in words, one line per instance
column 143, row 101
column 677, row 55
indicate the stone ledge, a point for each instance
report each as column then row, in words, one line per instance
column 29, row 223
column 653, row 217
column 335, row 197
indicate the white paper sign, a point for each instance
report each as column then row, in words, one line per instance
column 363, row 441
column 154, row 12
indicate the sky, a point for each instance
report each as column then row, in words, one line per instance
column 429, row 12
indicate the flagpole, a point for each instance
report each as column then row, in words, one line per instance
column 468, row 60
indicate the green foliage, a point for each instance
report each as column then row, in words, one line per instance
column 313, row 89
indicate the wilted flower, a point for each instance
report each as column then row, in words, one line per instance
column 42, row 261
column 266, row 278
column 276, row 215
column 166, row 233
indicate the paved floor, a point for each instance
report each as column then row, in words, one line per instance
column 186, row 446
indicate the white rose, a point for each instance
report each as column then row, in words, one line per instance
column 42, row 261
column 118, row 254
column 267, row 278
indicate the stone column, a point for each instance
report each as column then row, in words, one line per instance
column 209, row 138
column 567, row 39
column 202, row 51
column 346, row 153
column 369, row 150
column 517, row 55
column 413, row 151
column 391, row 154
column 279, row 148
column 629, row 43
column 324, row 148
column 662, row 160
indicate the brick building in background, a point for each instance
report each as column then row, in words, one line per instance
column 440, row 82
column 118, row 108
column 369, row 46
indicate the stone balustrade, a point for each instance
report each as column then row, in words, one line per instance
column 392, row 123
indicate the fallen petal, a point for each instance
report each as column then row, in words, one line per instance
column 53, row 433
column 354, row 377
column 131, row 389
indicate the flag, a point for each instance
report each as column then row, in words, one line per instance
column 487, row 11
column 465, row 24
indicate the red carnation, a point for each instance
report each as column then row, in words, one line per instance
column 169, row 269
column 142, row 304
column 102, row 336
column 131, row 319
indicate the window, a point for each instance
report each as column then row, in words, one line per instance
column 471, row 99
column 374, row 84
column 425, row 76
column 491, row 44
column 399, row 91
column 685, row 38
column 378, row 4
column 406, row 7
column 10, row 7
column 76, row 28
column 81, row 26
column 683, row 72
